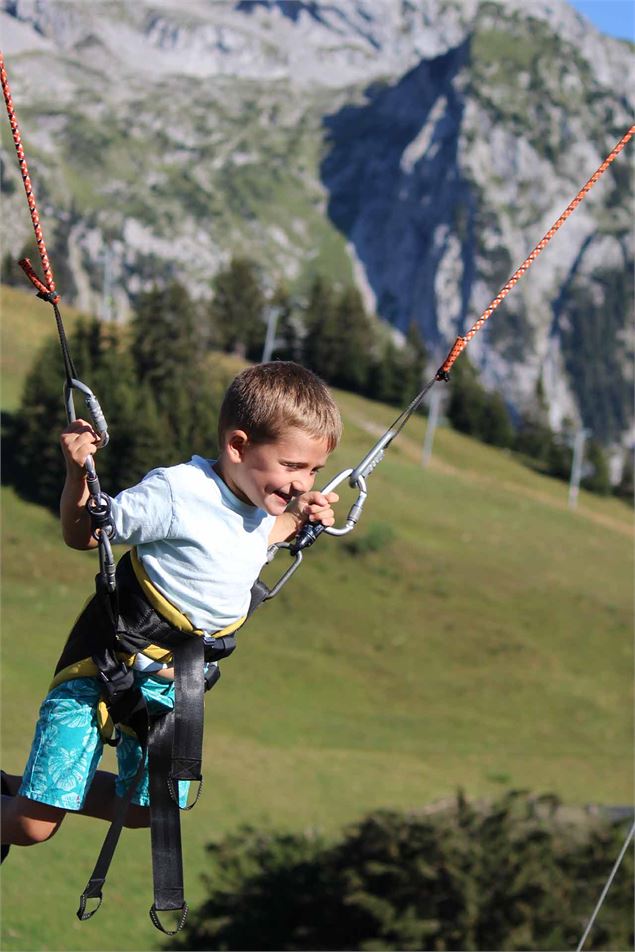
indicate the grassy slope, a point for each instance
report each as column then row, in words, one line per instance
column 488, row 645
column 25, row 323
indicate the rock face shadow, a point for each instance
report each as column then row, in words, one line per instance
column 396, row 190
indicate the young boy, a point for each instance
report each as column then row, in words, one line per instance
column 201, row 531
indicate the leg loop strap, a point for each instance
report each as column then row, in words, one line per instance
column 159, row 925
column 92, row 891
column 98, row 878
column 189, row 691
column 174, row 793
column 165, row 823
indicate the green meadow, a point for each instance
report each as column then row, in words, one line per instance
column 477, row 635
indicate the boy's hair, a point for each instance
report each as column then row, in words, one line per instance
column 268, row 399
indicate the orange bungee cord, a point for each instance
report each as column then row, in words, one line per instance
column 357, row 476
column 462, row 342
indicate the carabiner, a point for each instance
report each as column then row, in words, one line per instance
column 92, row 403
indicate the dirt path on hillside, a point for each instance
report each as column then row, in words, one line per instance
column 412, row 450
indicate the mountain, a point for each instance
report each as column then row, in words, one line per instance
column 418, row 147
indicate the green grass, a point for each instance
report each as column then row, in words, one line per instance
column 25, row 323
column 487, row 645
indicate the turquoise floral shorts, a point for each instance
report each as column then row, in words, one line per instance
column 67, row 746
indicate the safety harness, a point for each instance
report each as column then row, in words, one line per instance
column 127, row 615
column 111, row 630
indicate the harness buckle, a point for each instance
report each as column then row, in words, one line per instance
column 217, row 648
column 117, row 679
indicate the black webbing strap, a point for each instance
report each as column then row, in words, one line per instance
column 189, row 691
column 69, row 367
column 165, row 827
column 164, row 757
column 259, row 593
column 96, row 882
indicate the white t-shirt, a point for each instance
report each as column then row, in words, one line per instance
column 199, row 544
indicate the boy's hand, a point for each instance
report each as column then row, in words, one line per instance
column 309, row 507
column 79, row 441
column 315, row 507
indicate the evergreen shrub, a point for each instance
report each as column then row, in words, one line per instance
column 513, row 874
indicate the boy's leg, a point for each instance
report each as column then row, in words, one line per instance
column 26, row 822
column 61, row 774
column 101, row 803
column 63, row 760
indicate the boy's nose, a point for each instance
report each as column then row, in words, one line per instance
column 302, row 484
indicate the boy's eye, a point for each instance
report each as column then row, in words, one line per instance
column 298, row 466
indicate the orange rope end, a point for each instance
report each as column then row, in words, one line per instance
column 42, row 290
column 444, row 370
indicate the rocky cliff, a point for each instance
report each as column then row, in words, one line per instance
column 420, row 147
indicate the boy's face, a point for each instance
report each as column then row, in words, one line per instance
column 270, row 475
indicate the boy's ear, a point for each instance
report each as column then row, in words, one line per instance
column 236, row 444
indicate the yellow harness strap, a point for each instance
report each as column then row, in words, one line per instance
column 158, row 601
column 86, row 668
column 170, row 612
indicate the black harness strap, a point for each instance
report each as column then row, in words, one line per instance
column 189, row 689
column 165, row 827
column 137, row 718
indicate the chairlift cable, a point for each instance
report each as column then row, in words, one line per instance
column 604, row 893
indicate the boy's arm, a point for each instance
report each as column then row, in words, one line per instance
column 79, row 441
column 313, row 506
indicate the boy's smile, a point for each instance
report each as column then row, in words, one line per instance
column 271, row 475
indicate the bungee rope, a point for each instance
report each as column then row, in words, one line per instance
column 461, row 342
column 46, row 291
column 99, row 503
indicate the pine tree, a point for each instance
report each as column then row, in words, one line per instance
column 466, row 405
column 496, row 425
column 598, row 480
column 534, row 435
column 321, row 344
column 625, row 489
column 559, row 457
column 237, row 310
column 353, row 340
column 140, row 440
column 166, row 343
column 160, row 402
column 38, row 468
column 476, row 411
column 11, row 273
column 415, row 358
column 385, row 381
column 288, row 327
